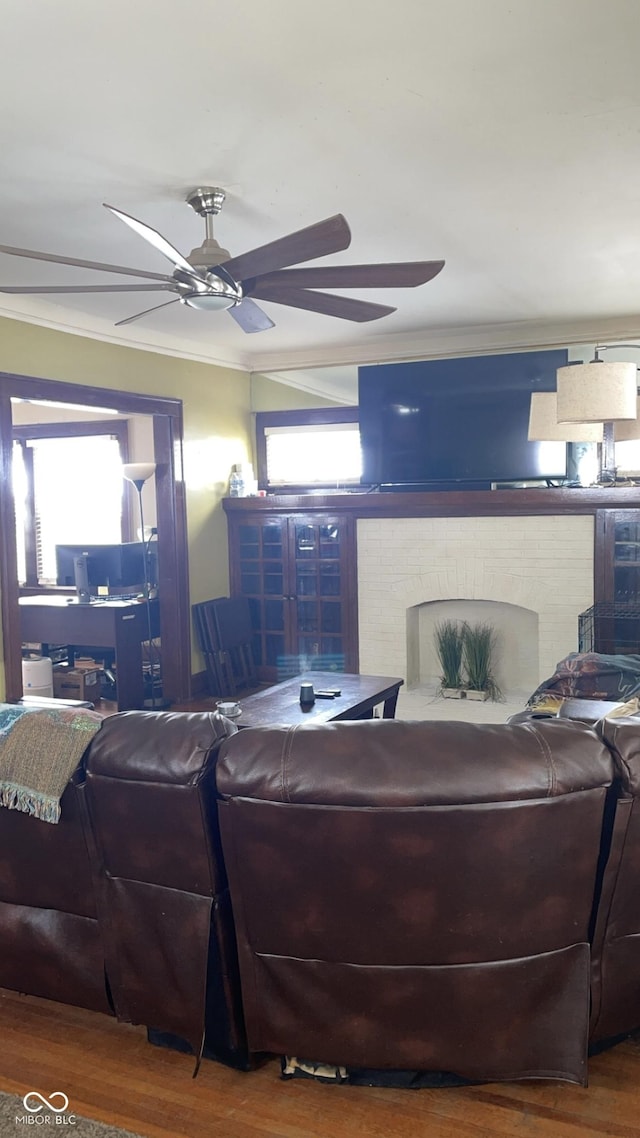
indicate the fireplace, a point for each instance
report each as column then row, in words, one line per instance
column 530, row 576
column 517, row 664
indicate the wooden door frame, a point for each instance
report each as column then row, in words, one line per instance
column 173, row 587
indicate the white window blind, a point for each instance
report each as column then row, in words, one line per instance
column 78, row 495
column 323, row 454
column 628, row 456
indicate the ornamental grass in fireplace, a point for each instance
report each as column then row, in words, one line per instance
column 466, row 653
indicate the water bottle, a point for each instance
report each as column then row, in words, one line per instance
column 236, row 483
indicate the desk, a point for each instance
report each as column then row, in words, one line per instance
column 121, row 625
column 280, row 704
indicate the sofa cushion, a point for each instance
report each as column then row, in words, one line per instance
column 416, row 895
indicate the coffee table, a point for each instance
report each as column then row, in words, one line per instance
column 280, row 704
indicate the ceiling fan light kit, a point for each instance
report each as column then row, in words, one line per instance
column 209, row 279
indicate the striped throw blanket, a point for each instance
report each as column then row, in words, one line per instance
column 39, row 751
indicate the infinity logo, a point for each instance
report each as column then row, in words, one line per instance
column 45, row 1102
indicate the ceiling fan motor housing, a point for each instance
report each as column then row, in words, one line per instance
column 208, row 254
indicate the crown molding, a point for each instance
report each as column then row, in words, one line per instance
column 430, row 343
column 462, row 340
column 165, row 347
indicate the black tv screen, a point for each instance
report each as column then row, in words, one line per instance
column 457, row 421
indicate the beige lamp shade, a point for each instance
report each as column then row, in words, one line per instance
column 629, row 429
column 596, row 392
column 544, row 425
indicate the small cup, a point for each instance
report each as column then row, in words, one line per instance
column 307, row 695
column 228, row 708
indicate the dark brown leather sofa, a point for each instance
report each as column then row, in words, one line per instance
column 417, row 895
column 123, row 906
column 407, row 896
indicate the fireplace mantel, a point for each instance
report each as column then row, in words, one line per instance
column 447, row 504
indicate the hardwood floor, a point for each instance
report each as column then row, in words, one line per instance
column 112, row 1074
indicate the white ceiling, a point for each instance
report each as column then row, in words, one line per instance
column 501, row 135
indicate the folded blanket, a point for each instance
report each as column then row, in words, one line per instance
column 9, row 712
column 592, row 675
column 39, row 751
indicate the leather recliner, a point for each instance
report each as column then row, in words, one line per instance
column 50, row 938
column 616, row 940
column 163, row 900
column 615, row 967
column 416, row 896
column 123, row 905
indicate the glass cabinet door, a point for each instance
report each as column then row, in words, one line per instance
column 612, row 625
column 318, row 552
column 625, row 626
column 298, row 572
column 259, row 571
column 626, row 561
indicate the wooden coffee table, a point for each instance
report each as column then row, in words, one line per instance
column 280, row 704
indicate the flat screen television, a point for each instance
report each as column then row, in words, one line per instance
column 439, row 423
column 109, row 567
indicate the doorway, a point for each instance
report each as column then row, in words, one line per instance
column 173, row 589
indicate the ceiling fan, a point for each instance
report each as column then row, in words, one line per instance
column 211, row 279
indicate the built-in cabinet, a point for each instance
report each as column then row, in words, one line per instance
column 616, row 615
column 620, row 551
column 294, row 557
column 298, row 572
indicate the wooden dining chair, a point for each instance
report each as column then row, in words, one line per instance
column 224, row 630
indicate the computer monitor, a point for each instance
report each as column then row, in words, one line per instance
column 110, row 568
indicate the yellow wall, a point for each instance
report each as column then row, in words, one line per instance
column 269, row 395
column 219, row 412
column 217, row 425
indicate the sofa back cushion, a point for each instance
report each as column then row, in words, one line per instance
column 163, row 894
column 374, row 866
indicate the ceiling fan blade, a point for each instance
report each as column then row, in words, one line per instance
column 160, row 243
column 87, row 288
column 130, row 319
column 329, row 236
column 250, row 316
column 402, row 274
column 34, row 255
column 342, row 306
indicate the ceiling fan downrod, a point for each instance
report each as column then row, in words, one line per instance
column 207, row 201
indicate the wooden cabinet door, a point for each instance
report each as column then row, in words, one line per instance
column 299, row 573
column 615, row 620
column 258, row 552
column 324, row 621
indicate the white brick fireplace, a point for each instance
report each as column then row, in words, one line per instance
column 529, row 576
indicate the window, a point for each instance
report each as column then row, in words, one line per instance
column 628, row 456
column 319, row 448
column 68, row 489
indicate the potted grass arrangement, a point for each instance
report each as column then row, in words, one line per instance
column 477, row 656
column 449, row 638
